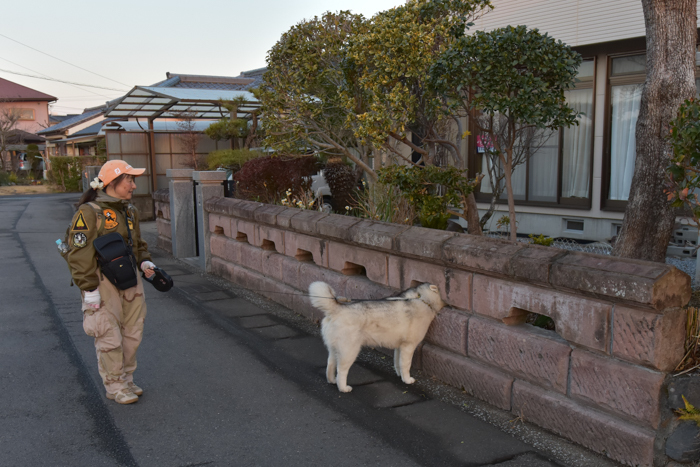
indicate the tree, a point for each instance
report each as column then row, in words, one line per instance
column 671, row 35
column 300, row 93
column 8, row 127
column 189, row 137
column 512, row 82
column 242, row 134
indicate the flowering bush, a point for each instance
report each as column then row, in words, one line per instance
column 684, row 168
column 267, row 179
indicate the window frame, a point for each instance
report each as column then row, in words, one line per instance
column 572, row 203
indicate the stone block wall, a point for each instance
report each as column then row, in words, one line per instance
column 161, row 207
column 598, row 380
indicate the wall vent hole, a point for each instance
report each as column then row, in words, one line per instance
column 241, row 237
column 268, row 245
column 352, row 269
column 218, row 230
column 303, row 255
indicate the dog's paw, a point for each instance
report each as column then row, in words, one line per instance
column 345, row 389
column 409, row 380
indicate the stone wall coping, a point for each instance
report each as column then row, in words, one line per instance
column 179, row 173
column 162, row 195
column 204, row 176
column 651, row 285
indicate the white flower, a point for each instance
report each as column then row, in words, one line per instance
column 97, row 184
column 347, row 208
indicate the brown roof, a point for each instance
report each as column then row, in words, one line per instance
column 10, row 91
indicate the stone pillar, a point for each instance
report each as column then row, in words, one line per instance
column 182, row 212
column 208, row 185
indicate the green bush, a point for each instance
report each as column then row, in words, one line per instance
column 5, row 178
column 66, row 171
column 231, row 159
column 541, row 240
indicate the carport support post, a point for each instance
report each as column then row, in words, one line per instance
column 209, row 184
column 182, row 212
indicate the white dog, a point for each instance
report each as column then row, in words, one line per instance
column 398, row 323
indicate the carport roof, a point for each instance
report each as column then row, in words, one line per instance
column 153, row 102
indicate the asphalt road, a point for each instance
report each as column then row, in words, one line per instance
column 226, row 384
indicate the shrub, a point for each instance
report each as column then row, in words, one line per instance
column 342, row 182
column 383, row 203
column 66, row 171
column 683, row 181
column 4, row 178
column 541, row 239
column 231, row 159
column 267, row 179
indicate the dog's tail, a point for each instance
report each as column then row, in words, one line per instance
column 323, row 297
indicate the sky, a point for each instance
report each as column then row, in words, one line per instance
column 119, row 45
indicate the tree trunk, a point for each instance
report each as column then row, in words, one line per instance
column 473, row 225
column 671, row 35
column 508, row 165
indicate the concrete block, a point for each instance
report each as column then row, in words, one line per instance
column 481, row 381
column 423, row 242
column 534, row 262
column 182, row 213
column 583, row 321
column 247, row 228
column 526, row 351
column 617, row 386
column 316, row 246
column 270, row 234
column 458, row 288
column 624, row 442
column 336, row 226
column 302, row 305
column 306, row 221
column 279, row 292
column 290, row 271
column 226, row 248
column 220, row 222
column 449, row 330
column 378, row 235
column 480, row 253
column 283, row 219
column 165, row 244
column 164, row 228
column 361, row 288
column 658, row 285
column 374, row 262
column 404, row 272
column 251, row 257
column 309, row 273
column 648, row 338
column 267, row 214
column 272, row 265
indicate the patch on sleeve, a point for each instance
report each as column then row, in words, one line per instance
column 80, row 224
column 110, row 219
column 79, row 240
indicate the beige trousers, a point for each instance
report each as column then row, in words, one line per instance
column 117, row 327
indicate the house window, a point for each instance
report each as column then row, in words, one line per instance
column 557, row 164
column 24, row 114
column 626, row 79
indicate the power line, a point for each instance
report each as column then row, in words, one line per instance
column 60, row 60
column 61, row 81
column 34, row 71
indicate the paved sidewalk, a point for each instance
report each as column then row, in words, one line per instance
column 379, row 399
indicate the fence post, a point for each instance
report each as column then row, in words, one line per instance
column 182, row 212
column 209, row 184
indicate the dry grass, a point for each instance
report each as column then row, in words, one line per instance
column 691, row 360
column 25, row 190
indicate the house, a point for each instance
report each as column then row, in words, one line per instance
column 151, row 125
column 76, row 135
column 32, row 107
column 577, row 184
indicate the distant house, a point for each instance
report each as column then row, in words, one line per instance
column 32, row 105
column 76, row 135
column 144, row 129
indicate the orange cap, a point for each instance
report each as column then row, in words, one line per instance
column 112, row 169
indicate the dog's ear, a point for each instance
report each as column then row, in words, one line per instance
column 434, row 288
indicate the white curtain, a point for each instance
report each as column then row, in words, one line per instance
column 576, row 150
column 518, row 178
column 544, row 165
column 625, row 110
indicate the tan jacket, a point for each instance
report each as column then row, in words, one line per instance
column 87, row 225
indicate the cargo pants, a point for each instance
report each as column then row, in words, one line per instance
column 117, row 327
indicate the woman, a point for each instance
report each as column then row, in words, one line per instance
column 112, row 316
